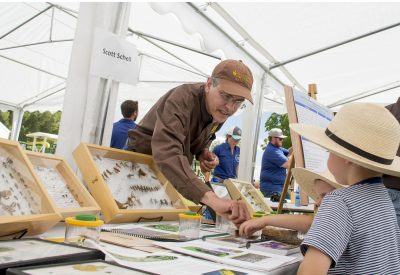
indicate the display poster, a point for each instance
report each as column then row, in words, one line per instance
column 309, row 111
column 114, row 58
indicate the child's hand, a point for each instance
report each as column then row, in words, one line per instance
column 249, row 227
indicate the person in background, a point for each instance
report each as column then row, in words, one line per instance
column 355, row 230
column 315, row 185
column 129, row 110
column 182, row 125
column 274, row 164
column 393, row 183
column 228, row 154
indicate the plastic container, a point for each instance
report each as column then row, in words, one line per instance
column 82, row 227
column 297, row 200
column 189, row 225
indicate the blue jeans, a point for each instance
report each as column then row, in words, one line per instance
column 395, row 196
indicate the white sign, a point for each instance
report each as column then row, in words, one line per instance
column 310, row 111
column 114, row 58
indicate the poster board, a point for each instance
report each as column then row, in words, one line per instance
column 304, row 109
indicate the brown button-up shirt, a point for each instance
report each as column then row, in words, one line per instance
column 177, row 128
column 390, row 181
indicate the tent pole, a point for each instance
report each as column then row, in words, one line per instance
column 173, row 55
column 37, row 43
column 279, row 64
column 362, row 96
column 26, row 21
column 142, row 34
column 18, row 115
column 174, row 65
column 259, row 112
column 33, row 67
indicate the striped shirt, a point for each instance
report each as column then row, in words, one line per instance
column 357, row 228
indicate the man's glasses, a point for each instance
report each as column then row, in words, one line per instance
column 229, row 99
column 280, row 138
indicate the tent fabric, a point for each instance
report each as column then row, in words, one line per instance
column 284, row 30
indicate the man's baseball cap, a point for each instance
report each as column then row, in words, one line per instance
column 235, row 78
column 235, row 132
column 276, row 132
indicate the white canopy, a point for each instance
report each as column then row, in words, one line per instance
column 305, row 38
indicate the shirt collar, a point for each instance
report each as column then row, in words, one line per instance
column 205, row 116
column 372, row 180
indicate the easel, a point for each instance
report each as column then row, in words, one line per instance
column 312, row 92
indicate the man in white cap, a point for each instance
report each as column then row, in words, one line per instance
column 228, row 154
column 274, row 164
column 182, row 125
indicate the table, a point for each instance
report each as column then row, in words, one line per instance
column 290, row 207
column 57, row 233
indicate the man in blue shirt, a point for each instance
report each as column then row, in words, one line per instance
column 274, row 164
column 129, row 110
column 228, row 154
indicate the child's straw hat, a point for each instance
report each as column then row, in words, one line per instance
column 364, row 133
column 306, row 179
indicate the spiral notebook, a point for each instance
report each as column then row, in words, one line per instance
column 149, row 234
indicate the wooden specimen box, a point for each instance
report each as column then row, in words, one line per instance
column 64, row 187
column 25, row 205
column 248, row 193
column 128, row 186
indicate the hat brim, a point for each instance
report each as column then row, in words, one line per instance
column 318, row 136
column 282, row 136
column 306, row 179
column 235, row 137
column 235, row 89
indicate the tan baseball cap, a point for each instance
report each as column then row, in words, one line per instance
column 235, row 78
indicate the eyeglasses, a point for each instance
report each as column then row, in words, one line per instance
column 279, row 138
column 229, row 99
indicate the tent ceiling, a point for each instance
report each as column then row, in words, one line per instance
column 289, row 30
column 284, row 30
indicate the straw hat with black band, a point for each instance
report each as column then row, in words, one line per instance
column 307, row 180
column 364, row 133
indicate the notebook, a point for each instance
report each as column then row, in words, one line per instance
column 149, row 234
column 274, row 247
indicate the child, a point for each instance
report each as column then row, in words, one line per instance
column 315, row 185
column 355, row 230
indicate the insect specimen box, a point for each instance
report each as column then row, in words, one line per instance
column 248, row 193
column 25, row 206
column 64, row 187
column 128, row 186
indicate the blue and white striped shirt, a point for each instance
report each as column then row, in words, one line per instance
column 357, row 228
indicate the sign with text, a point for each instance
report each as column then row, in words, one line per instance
column 114, row 58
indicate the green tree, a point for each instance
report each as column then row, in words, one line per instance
column 278, row 121
column 6, row 118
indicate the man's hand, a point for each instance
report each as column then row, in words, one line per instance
column 208, row 161
column 235, row 211
column 248, row 228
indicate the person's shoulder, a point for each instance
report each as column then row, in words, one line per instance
column 186, row 93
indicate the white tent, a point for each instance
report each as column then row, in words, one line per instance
column 350, row 50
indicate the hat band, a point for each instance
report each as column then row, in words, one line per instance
column 357, row 150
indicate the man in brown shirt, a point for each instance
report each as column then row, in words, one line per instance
column 182, row 125
column 392, row 183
